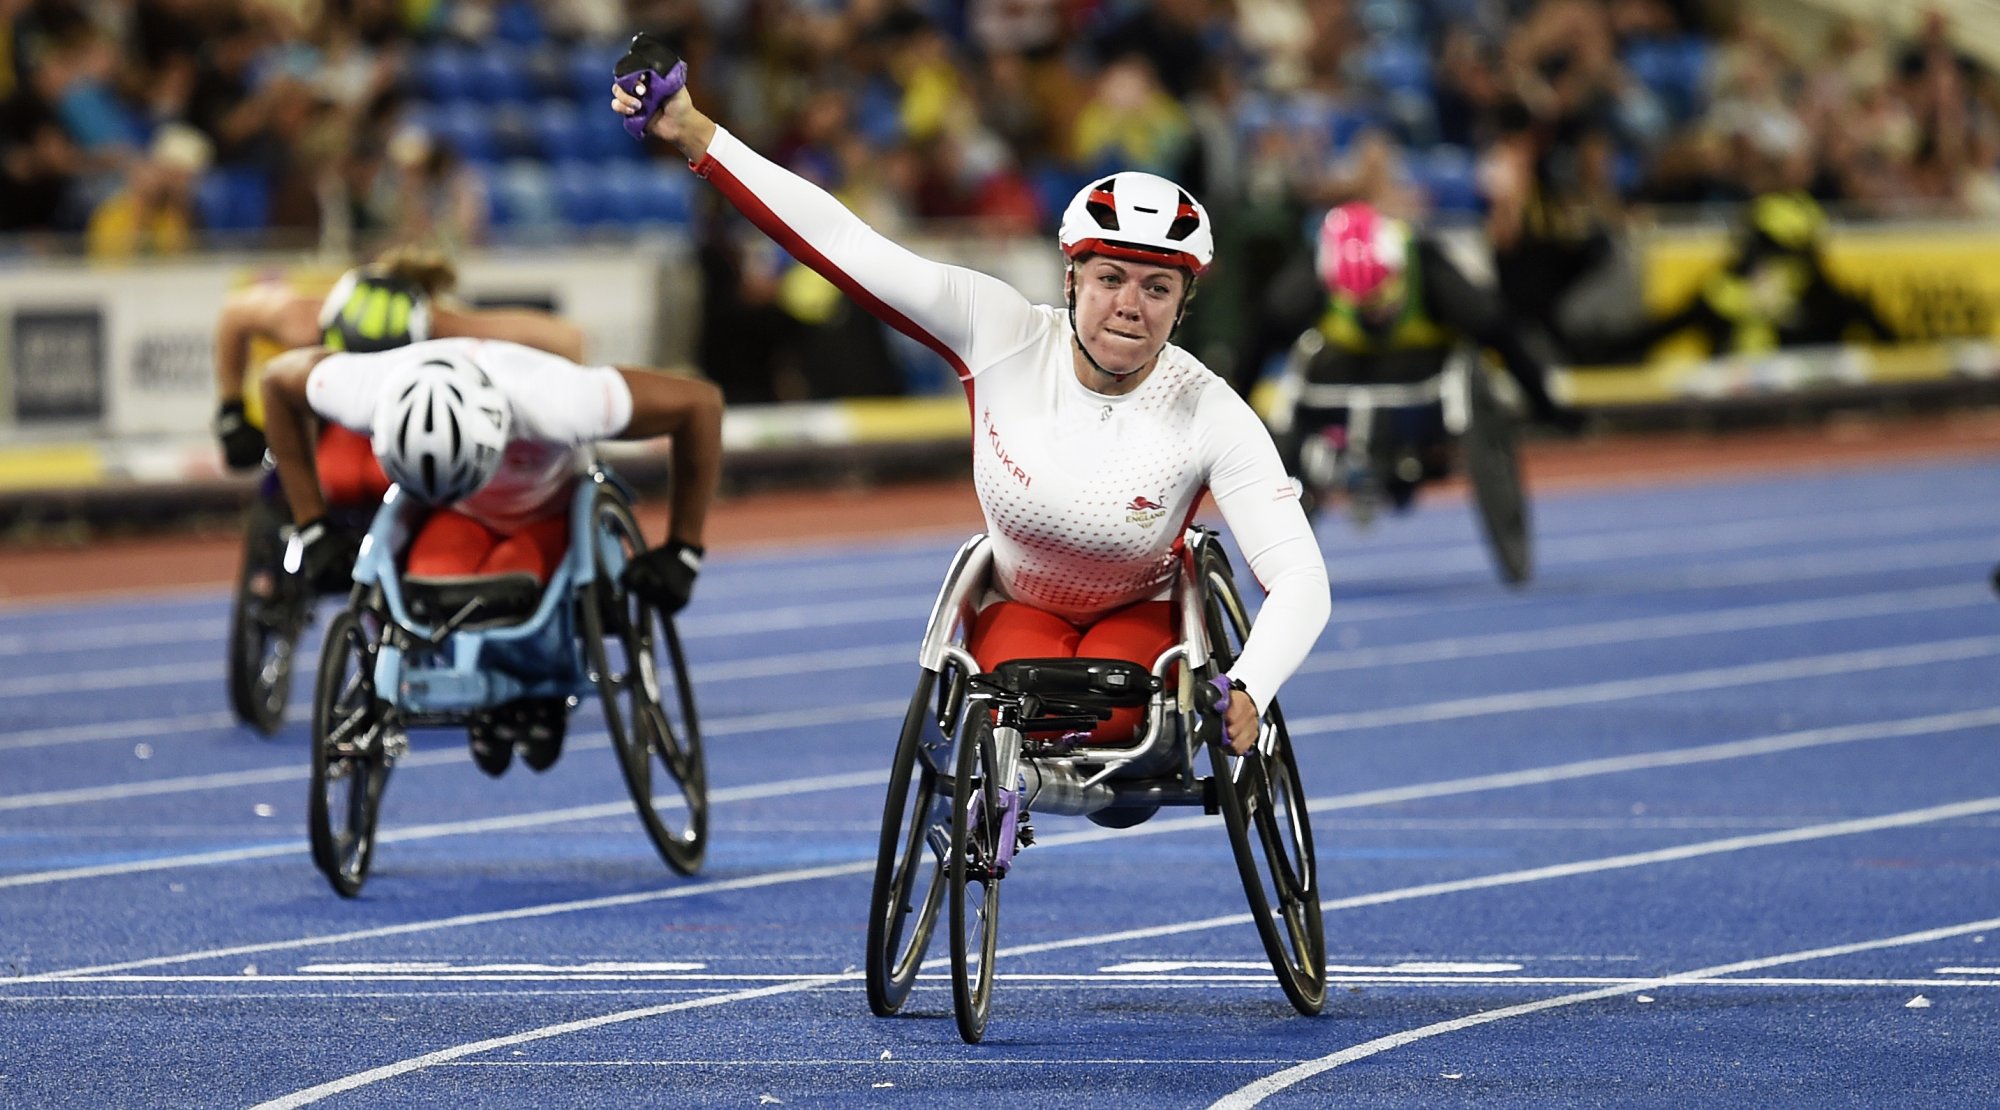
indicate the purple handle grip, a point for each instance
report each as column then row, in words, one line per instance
column 659, row 89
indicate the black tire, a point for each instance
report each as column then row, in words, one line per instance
column 908, row 892
column 635, row 658
column 265, row 619
column 1263, row 806
column 973, row 887
column 351, row 755
column 1493, row 465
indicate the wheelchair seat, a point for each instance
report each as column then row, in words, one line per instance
column 502, row 598
column 1091, row 683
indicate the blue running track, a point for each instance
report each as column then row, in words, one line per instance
column 1709, row 815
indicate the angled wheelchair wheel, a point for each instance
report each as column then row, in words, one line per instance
column 265, row 620
column 973, row 884
column 1492, row 463
column 635, row 658
column 916, row 829
column 1263, row 806
column 352, row 751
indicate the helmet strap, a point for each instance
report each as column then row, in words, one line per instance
column 1069, row 297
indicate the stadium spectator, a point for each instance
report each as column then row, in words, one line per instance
column 154, row 213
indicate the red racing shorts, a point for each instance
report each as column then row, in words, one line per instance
column 348, row 472
column 451, row 543
column 1138, row 633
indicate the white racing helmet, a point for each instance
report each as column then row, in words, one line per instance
column 1138, row 217
column 440, row 428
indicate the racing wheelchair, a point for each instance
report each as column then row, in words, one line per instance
column 1379, row 441
column 979, row 750
column 460, row 652
column 271, row 607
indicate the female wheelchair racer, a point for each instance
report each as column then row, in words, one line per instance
column 1094, row 440
column 486, row 442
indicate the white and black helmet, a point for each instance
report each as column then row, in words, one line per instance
column 1138, row 217
column 440, row 428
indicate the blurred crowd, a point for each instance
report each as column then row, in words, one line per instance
column 343, row 123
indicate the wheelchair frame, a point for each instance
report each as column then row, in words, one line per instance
column 1477, row 423
column 384, row 670
column 969, row 769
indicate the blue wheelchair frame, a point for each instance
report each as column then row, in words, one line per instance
column 385, row 667
column 487, row 665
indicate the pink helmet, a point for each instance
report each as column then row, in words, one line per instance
column 1361, row 251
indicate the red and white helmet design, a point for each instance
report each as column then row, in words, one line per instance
column 1361, row 250
column 1138, row 217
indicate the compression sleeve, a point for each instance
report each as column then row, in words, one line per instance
column 1261, row 506
column 970, row 319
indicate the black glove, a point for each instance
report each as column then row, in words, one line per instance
column 242, row 442
column 320, row 557
column 665, row 575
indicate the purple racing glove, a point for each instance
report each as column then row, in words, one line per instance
column 652, row 72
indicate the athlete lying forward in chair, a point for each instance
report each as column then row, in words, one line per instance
column 494, row 434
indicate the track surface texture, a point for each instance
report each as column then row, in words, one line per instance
column 1708, row 814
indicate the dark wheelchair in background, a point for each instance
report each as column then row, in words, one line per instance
column 1375, row 443
column 272, row 607
column 978, row 751
column 439, row 654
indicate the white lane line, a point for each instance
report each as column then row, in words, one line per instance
column 1600, row 633
column 1685, row 539
column 1155, row 827
column 1781, row 670
column 1254, row 1093
column 431, row 1059
column 447, row 828
column 1747, row 617
column 1687, row 851
column 1673, row 757
column 587, row 741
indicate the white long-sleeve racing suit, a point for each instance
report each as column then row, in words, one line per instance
column 559, row 408
column 1085, row 494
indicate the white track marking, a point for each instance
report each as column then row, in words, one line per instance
column 441, row 829
column 1579, row 867
column 430, row 1059
column 1254, row 1093
column 1676, row 757
column 1781, row 670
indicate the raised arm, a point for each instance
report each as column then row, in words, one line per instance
column 970, row 319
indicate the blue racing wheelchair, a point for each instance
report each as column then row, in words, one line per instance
column 980, row 750
column 465, row 652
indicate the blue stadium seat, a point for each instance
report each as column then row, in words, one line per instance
column 1450, row 176
column 233, row 199
column 665, row 195
column 498, row 72
column 546, row 67
column 1399, row 66
column 524, row 196
column 443, row 73
column 518, row 22
column 577, row 197
column 514, row 134
column 590, row 72
column 559, row 132
column 468, row 129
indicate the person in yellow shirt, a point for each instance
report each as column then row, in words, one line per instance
column 154, row 213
